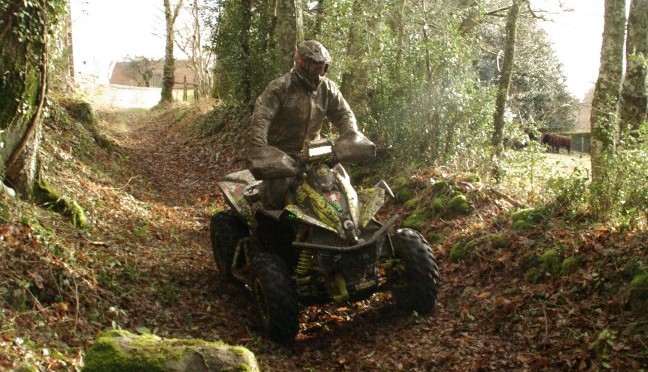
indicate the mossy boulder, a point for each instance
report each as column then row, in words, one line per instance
column 638, row 298
column 498, row 241
column 441, row 187
column 458, row 252
column 551, row 261
column 418, row 219
column 399, row 182
column 412, row 203
column 522, row 225
column 48, row 196
column 119, row 350
column 459, row 205
column 440, row 204
column 531, row 215
column 527, row 219
column 447, row 206
column 473, row 178
column 569, row 264
column 462, row 250
column 80, row 110
column 548, row 264
column 404, row 194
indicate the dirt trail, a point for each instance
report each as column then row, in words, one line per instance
column 174, row 291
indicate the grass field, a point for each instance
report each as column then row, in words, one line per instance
column 527, row 175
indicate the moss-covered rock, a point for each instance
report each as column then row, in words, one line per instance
column 441, row 188
column 119, row 350
column 551, row 261
column 638, row 298
column 440, row 204
column 473, row 178
column 399, row 182
column 402, row 191
column 527, row 219
column 498, row 241
column 569, row 264
column 418, row 219
column 47, row 195
column 522, row 225
column 80, row 110
column 451, row 206
column 458, row 252
column 462, row 250
column 412, row 203
column 404, row 194
column 459, row 205
column 530, row 216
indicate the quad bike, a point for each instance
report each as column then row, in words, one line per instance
column 324, row 245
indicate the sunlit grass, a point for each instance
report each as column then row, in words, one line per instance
column 528, row 174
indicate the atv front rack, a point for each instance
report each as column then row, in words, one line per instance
column 351, row 248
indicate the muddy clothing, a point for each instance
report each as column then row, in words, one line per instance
column 289, row 113
column 291, row 110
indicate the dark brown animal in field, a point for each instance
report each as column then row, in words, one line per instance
column 556, row 141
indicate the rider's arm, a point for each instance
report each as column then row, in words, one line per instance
column 339, row 111
column 265, row 110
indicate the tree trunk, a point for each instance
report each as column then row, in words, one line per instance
column 24, row 60
column 289, row 30
column 604, row 104
column 634, row 100
column 356, row 81
column 505, row 79
column 168, row 72
column 70, row 50
column 245, row 46
column 320, row 18
column 199, row 57
column 431, row 117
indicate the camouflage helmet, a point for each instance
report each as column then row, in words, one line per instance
column 313, row 51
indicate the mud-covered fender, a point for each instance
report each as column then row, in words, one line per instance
column 235, row 186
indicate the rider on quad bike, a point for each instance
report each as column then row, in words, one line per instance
column 290, row 112
column 297, row 232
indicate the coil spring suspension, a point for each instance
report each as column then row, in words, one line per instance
column 304, row 262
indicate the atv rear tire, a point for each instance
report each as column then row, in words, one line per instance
column 275, row 297
column 225, row 230
column 415, row 288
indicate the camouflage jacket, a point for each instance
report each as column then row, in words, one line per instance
column 291, row 111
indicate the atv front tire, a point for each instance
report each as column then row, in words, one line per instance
column 225, row 230
column 275, row 297
column 417, row 277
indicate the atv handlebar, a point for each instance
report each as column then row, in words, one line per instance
column 269, row 162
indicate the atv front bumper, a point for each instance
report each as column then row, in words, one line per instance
column 331, row 248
